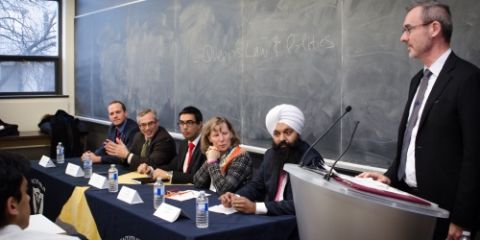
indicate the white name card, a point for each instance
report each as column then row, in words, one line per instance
column 98, row 181
column 129, row 195
column 167, row 212
column 46, row 162
column 74, row 170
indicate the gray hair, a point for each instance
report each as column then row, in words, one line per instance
column 435, row 11
column 145, row 112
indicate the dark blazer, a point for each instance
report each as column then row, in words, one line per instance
column 447, row 145
column 263, row 186
column 176, row 165
column 160, row 152
column 131, row 128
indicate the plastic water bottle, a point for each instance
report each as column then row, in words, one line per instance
column 158, row 193
column 202, row 210
column 87, row 167
column 465, row 235
column 60, row 153
column 113, row 179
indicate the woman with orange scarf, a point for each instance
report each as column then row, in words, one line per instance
column 228, row 166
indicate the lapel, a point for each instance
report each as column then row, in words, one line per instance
column 411, row 94
column 182, row 154
column 196, row 158
column 442, row 81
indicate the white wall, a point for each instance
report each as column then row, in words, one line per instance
column 28, row 112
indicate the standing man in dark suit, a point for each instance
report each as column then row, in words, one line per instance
column 190, row 158
column 270, row 191
column 153, row 145
column 439, row 134
column 122, row 128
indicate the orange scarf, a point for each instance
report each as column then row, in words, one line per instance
column 229, row 159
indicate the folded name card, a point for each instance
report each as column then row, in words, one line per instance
column 74, row 170
column 129, row 195
column 167, row 212
column 98, row 181
column 46, row 162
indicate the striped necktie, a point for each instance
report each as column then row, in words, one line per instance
column 412, row 121
column 145, row 146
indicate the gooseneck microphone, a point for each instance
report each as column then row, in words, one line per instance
column 347, row 109
column 329, row 174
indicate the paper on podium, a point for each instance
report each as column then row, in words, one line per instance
column 371, row 186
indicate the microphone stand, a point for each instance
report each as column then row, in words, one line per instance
column 330, row 173
column 347, row 109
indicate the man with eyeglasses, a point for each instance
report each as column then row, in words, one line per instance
column 439, row 134
column 189, row 159
column 153, row 145
column 122, row 128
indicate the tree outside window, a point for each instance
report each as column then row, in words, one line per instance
column 29, row 47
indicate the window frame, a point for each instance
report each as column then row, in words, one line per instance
column 56, row 60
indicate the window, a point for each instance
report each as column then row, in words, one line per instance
column 30, row 47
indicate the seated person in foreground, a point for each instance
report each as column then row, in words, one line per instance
column 189, row 159
column 270, row 191
column 122, row 128
column 15, row 201
column 228, row 166
column 153, row 145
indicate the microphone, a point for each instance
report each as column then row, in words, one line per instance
column 347, row 109
column 330, row 173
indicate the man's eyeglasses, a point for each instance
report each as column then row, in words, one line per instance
column 149, row 124
column 408, row 29
column 189, row 123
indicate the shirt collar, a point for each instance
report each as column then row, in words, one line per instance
column 122, row 126
column 437, row 66
column 196, row 140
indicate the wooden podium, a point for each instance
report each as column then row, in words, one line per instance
column 332, row 210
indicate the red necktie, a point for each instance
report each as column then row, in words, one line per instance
column 117, row 134
column 191, row 146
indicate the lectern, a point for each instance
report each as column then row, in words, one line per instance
column 332, row 210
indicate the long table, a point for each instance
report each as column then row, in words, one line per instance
column 119, row 220
column 115, row 219
column 50, row 188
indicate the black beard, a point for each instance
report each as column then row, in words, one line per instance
column 286, row 152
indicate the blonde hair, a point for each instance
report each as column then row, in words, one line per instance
column 209, row 127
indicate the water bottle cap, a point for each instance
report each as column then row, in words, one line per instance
column 112, row 165
column 466, row 233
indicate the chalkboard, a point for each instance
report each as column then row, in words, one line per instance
column 239, row 58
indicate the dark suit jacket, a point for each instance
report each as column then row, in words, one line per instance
column 447, row 145
column 131, row 128
column 176, row 165
column 263, row 186
column 160, row 152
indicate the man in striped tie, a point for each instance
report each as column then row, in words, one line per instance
column 439, row 133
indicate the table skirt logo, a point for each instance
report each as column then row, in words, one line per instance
column 38, row 193
column 130, row 238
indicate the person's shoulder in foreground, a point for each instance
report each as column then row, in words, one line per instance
column 15, row 201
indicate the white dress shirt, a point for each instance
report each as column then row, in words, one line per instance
column 435, row 68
